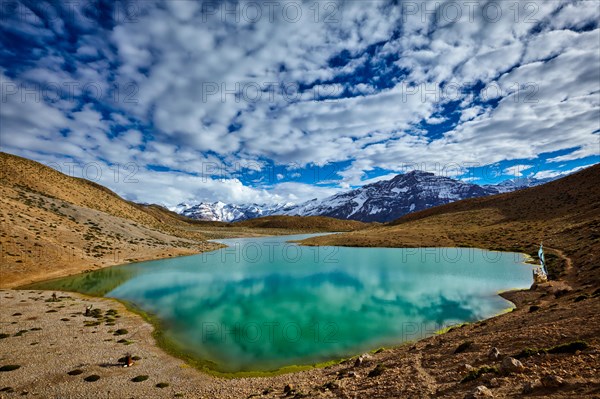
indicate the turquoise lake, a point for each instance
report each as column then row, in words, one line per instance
column 263, row 303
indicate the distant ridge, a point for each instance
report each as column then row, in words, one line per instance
column 381, row 201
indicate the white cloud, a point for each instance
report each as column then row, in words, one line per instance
column 184, row 67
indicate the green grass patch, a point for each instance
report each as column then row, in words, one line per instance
column 162, row 385
column 139, row 378
column 570, row 347
column 121, row 331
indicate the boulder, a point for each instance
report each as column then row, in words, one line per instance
column 511, row 365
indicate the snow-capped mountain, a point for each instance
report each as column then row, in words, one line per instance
column 382, row 201
column 222, row 212
column 518, row 183
column 389, row 199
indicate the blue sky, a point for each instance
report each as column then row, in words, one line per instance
column 185, row 101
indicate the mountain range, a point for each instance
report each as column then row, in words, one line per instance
column 381, row 201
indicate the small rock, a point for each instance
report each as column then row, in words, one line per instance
column 377, row 371
column 466, row 368
column 352, row 374
column 362, row 359
column 480, row 392
column 552, row 381
column 494, row 353
column 528, row 387
column 494, row 383
column 512, row 365
column 289, row 388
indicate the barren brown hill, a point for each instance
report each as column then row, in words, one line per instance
column 53, row 224
column 314, row 223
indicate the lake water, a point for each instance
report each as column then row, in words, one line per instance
column 262, row 304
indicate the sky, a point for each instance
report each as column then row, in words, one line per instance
column 285, row 101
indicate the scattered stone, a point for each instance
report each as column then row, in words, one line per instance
column 529, row 387
column 288, row 389
column 512, row 365
column 92, row 378
column 494, row 354
column 362, row 359
column 480, row 392
column 494, row 383
column 466, row 368
column 552, row 381
column 377, row 371
column 463, row 347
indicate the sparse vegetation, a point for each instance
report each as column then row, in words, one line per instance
column 92, row 378
column 570, row 347
column 139, row 378
column 75, row 372
column 162, row 385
